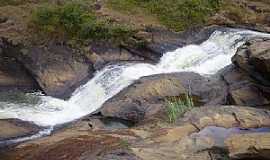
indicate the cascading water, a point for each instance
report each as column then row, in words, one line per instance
column 206, row 59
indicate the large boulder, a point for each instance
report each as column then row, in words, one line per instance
column 148, row 95
column 243, row 89
column 248, row 80
column 57, row 69
column 254, row 58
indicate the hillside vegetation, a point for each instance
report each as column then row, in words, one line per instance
column 77, row 20
column 175, row 14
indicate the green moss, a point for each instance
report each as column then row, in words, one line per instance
column 76, row 21
column 175, row 14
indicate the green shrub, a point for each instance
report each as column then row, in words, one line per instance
column 76, row 20
column 177, row 107
column 175, row 14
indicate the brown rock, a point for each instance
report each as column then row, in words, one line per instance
column 251, row 146
column 72, row 145
column 227, row 116
column 140, row 143
column 13, row 128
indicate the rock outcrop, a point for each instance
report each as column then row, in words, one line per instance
column 57, row 69
column 13, row 76
column 248, row 79
column 254, row 58
column 243, row 89
column 184, row 141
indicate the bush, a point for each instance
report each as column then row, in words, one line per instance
column 177, row 107
column 175, row 14
column 76, row 20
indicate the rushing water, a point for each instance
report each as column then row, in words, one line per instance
column 206, row 59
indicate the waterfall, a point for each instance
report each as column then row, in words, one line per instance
column 205, row 59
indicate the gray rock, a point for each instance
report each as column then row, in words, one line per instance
column 147, row 96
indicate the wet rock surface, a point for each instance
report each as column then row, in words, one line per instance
column 157, row 41
column 14, row 128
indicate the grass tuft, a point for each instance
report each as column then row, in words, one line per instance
column 177, row 107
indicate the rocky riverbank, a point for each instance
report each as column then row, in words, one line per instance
column 231, row 118
column 222, row 118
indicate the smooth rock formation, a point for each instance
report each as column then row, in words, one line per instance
column 14, row 128
column 147, row 96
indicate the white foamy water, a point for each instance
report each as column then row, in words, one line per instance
column 206, row 59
